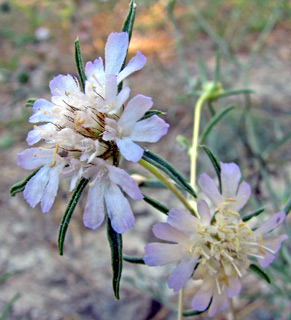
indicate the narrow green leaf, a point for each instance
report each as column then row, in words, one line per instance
column 19, row 186
column 151, row 113
column 9, row 305
column 259, row 271
column 217, row 68
column 214, row 120
column 165, row 166
column 29, row 103
column 211, row 108
column 134, row 260
column 129, row 20
column 128, row 27
column 7, row 275
column 215, row 164
column 202, row 72
column 69, row 212
column 115, row 242
column 79, row 64
column 287, row 207
column 230, row 93
column 152, row 183
column 253, row 214
column 183, row 142
column 157, row 205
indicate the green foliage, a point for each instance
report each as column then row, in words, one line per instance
column 79, row 64
column 253, row 214
column 170, row 170
column 8, row 306
column 115, row 242
column 259, row 271
column 157, row 205
column 19, row 186
column 69, row 212
column 133, row 260
column 151, row 113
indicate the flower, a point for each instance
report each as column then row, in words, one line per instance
column 214, row 249
column 233, row 196
column 105, row 180
column 77, row 130
column 43, row 186
column 129, row 128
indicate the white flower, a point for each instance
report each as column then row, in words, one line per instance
column 129, row 128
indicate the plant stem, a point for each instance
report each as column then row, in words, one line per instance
column 181, row 304
column 194, row 148
column 167, row 184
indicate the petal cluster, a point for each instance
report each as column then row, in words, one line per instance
column 218, row 248
column 85, row 130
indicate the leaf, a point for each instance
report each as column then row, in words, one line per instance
column 157, row 205
column 19, row 186
column 253, row 214
column 218, row 116
column 202, row 72
column 134, row 260
column 151, row 113
column 166, row 167
column 152, row 183
column 9, row 305
column 115, row 242
column 79, row 64
column 129, row 20
column 259, row 271
column 230, row 93
column 287, row 207
column 69, row 212
column 215, row 164
column 217, row 68
column 183, row 142
column 273, row 147
column 29, row 103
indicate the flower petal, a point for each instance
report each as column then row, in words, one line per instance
column 149, row 130
column 202, row 297
column 182, row 220
column 63, row 85
column 115, row 52
column 123, row 96
column 135, row 110
column 271, row 223
column 34, row 158
column 159, row 254
column 273, row 243
column 130, row 150
column 230, row 177
column 219, row 303
column 35, row 186
column 94, row 210
column 204, row 212
column 118, row 209
column 165, row 231
column 182, row 274
column 123, row 179
column 209, row 187
column 95, row 70
column 242, row 197
column 111, row 88
column 41, row 111
column 135, row 63
column 51, row 188
column 234, row 287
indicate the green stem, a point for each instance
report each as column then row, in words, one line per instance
column 167, row 184
column 194, row 148
column 181, row 304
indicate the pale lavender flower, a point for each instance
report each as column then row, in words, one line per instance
column 73, row 128
column 234, row 194
column 129, row 128
column 221, row 249
column 105, row 196
column 43, row 186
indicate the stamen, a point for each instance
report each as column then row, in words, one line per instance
column 54, row 156
column 236, row 269
column 217, row 285
column 234, row 213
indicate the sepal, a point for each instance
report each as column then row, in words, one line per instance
column 19, row 186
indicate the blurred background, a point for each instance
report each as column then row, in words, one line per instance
column 37, row 43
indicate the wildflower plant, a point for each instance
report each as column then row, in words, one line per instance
column 84, row 130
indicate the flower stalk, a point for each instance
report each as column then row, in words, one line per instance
column 167, row 184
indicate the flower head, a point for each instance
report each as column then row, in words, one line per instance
column 217, row 251
column 84, row 131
